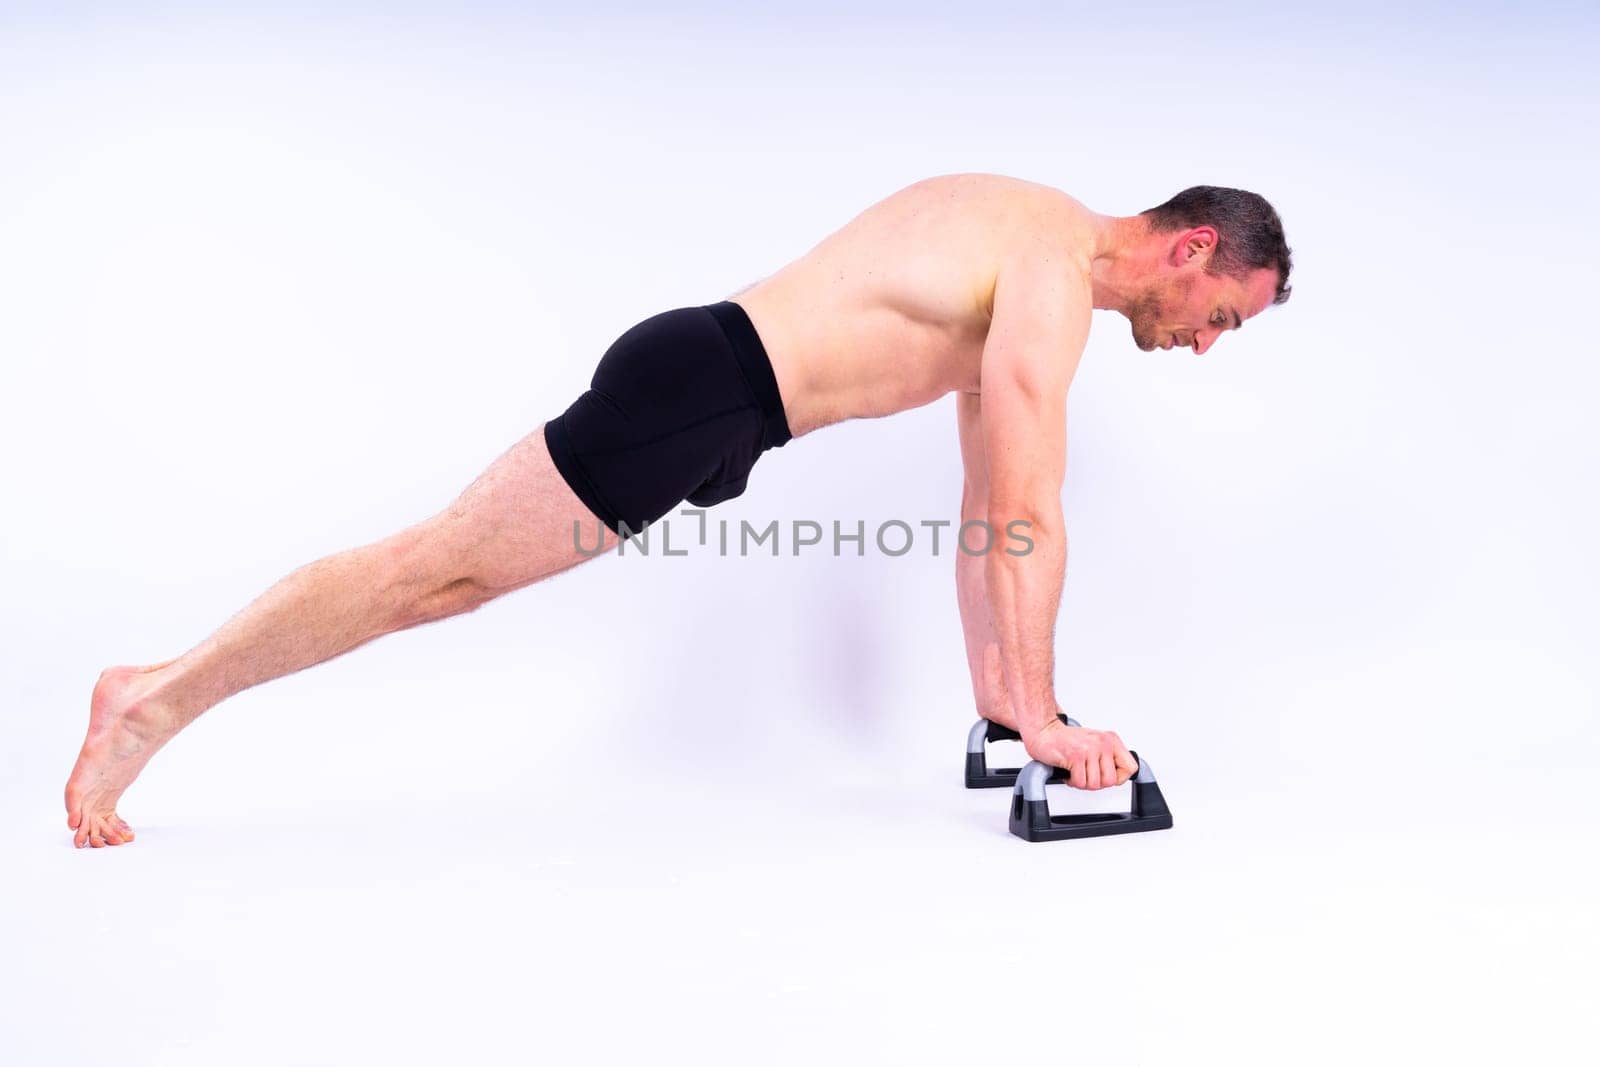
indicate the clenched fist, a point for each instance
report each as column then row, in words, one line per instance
column 1093, row 759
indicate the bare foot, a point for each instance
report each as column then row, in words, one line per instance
column 127, row 725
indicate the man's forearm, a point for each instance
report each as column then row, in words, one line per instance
column 1024, row 595
column 977, row 628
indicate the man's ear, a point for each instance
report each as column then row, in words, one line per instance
column 1199, row 243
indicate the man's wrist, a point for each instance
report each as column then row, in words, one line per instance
column 1031, row 723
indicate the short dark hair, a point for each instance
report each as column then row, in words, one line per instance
column 1249, row 232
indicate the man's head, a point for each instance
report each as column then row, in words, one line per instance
column 1216, row 257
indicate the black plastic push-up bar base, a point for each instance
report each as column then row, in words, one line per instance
column 1030, row 811
column 979, row 774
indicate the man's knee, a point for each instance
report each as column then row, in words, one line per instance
column 431, row 577
column 455, row 598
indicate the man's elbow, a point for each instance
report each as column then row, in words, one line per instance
column 1019, row 527
column 1042, row 511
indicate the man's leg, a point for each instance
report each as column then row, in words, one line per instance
column 510, row 528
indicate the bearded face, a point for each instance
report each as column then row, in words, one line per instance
column 1144, row 317
column 1160, row 311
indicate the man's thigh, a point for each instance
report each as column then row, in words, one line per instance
column 516, row 523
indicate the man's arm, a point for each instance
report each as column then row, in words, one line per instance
column 983, row 651
column 1042, row 309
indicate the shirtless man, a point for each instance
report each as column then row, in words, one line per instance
column 975, row 284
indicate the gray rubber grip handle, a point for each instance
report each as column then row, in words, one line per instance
column 978, row 736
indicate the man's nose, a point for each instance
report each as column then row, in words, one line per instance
column 1202, row 342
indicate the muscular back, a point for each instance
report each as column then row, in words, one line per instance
column 891, row 311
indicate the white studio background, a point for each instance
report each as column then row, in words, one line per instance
column 276, row 280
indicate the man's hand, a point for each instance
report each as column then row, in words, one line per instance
column 1094, row 759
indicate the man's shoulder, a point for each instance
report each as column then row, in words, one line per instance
column 1055, row 226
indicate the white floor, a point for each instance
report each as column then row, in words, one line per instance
column 437, row 902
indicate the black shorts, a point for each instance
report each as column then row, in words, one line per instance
column 680, row 407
